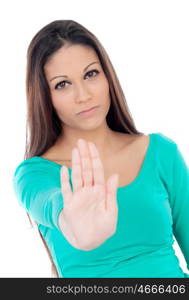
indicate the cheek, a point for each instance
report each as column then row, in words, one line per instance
column 61, row 105
column 103, row 88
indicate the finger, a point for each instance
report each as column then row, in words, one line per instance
column 76, row 170
column 86, row 164
column 111, row 191
column 97, row 166
column 65, row 185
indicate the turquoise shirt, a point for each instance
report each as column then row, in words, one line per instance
column 152, row 209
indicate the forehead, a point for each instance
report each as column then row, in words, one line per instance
column 70, row 57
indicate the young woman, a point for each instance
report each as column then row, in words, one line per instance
column 113, row 208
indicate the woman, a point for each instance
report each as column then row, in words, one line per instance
column 113, row 209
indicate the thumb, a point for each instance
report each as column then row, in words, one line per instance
column 65, row 185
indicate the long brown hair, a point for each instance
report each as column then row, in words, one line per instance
column 43, row 124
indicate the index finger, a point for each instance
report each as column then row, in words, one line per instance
column 97, row 166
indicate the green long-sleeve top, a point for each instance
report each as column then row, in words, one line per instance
column 152, row 209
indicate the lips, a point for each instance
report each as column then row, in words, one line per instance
column 87, row 110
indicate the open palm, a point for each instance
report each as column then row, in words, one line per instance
column 90, row 210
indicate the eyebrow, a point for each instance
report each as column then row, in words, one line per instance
column 83, row 71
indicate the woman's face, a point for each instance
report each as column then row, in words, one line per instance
column 80, row 84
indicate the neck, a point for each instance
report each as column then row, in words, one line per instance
column 103, row 138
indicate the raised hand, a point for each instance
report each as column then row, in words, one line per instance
column 89, row 216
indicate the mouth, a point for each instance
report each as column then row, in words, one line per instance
column 88, row 110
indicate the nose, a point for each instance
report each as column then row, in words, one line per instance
column 82, row 93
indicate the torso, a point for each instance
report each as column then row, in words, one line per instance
column 127, row 161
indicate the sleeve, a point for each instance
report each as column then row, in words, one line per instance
column 39, row 193
column 179, row 200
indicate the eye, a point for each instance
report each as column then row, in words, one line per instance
column 58, row 84
column 90, row 72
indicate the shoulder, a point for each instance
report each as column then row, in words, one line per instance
column 128, row 139
column 164, row 143
column 35, row 174
column 164, row 150
column 134, row 142
column 32, row 166
column 164, row 139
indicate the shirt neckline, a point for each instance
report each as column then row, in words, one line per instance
column 136, row 179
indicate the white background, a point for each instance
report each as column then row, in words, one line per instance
column 148, row 44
